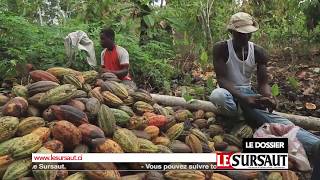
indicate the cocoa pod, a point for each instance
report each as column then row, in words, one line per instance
column 200, row 123
column 81, row 148
column 177, row 146
column 62, row 174
column 106, row 171
column 18, row 169
column 289, row 175
column 77, row 81
column 146, row 146
column 106, row 120
column 67, row 133
column 96, row 93
column 243, row 175
column 8, row 127
column 274, row 176
column 69, row 113
column 33, row 111
column 90, row 133
column 217, row 176
column 93, row 106
column 60, row 71
column 142, row 107
column 29, row 124
column 164, row 149
column 57, row 95
column 111, row 99
column 215, row 129
column 161, row 141
column 194, row 143
column 3, row 99
column 40, row 75
column 137, row 122
column 26, row 145
column 45, row 174
column 116, row 88
column 54, row 145
column 109, row 146
column 77, row 104
column 41, row 87
column 154, row 175
column 182, row 115
column 153, row 131
column 89, row 76
column 16, row 107
column 221, row 146
column 43, row 133
column 141, row 134
column 175, row 131
column 199, row 114
column 232, row 140
column 77, row 176
column 20, row 91
column 142, row 95
column 185, row 175
column 200, row 135
column 126, row 139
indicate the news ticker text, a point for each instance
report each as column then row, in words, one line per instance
column 257, row 153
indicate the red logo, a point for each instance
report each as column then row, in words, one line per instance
column 223, row 160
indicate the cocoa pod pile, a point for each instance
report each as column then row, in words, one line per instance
column 64, row 110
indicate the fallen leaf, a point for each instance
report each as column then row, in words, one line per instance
column 301, row 74
column 310, row 106
column 308, row 91
column 316, row 70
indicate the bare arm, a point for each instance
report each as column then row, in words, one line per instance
column 262, row 76
column 123, row 72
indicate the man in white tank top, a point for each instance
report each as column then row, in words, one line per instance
column 235, row 60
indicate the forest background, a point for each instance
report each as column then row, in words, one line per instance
column 170, row 46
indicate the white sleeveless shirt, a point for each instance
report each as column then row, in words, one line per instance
column 239, row 71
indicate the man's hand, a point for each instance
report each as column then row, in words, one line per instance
column 107, row 70
column 251, row 101
column 103, row 70
column 269, row 103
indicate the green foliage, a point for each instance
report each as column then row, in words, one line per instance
column 24, row 42
column 148, row 62
column 283, row 23
column 211, row 85
column 42, row 46
column 311, row 10
column 149, row 20
column 167, row 87
column 275, row 90
column 7, row 69
column 293, row 83
column 200, row 91
column 203, row 58
column 186, row 95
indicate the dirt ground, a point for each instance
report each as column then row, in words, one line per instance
column 299, row 84
column 298, row 81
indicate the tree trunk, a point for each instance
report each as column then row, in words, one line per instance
column 179, row 101
column 306, row 122
column 40, row 16
column 144, row 11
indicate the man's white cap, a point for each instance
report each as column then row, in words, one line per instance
column 242, row 22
